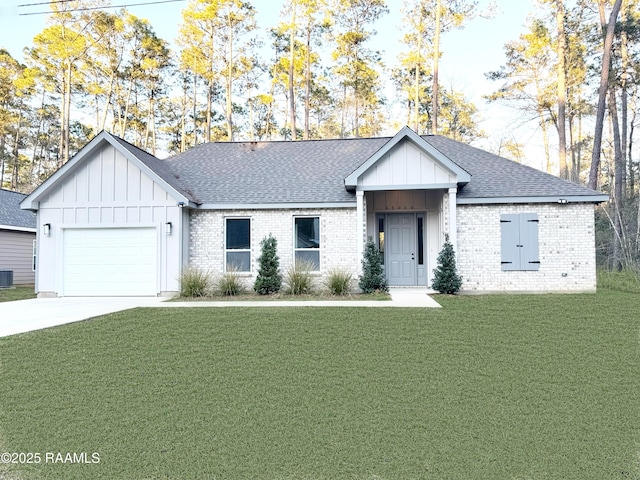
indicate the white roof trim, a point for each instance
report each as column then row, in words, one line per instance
column 274, row 206
column 416, row 186
column 31, row 202
column 463, row 176
column 559, row 199
column 18, row 229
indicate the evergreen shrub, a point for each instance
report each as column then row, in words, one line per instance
column 446, row 278
column 372, row 278
column 269, row 279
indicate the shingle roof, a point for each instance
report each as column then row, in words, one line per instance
column 496, row 177
column 314, row 171
column 311, row 171
column 10, row 212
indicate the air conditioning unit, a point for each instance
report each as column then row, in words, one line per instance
column 6, row 278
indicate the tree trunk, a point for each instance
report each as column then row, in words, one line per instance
column 416, row 87
column 602, row 95
column 562, row 90
column 307, row 85
column 436, row 62
column 619, row 166
column 624, row 53
column 292, row 51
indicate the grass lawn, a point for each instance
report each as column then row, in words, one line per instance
column 490, row 387
column 21, row 292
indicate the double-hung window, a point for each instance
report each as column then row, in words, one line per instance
column 238, row 244
column 307, row 240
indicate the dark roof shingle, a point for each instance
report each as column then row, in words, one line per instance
column 313, row 171
column 10, row 212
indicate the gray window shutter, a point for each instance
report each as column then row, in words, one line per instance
column 529, row 252
column 510, row 235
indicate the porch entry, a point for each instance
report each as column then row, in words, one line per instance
column 404, row 248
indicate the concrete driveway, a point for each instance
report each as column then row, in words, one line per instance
column 37, row 313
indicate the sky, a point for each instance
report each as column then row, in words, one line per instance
column 467, row 54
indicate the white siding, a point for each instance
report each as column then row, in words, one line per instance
column 109, row 190
column 566, row 239
column 16, row 254
column 405, row 164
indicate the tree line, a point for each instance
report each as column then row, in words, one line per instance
column 574, row 73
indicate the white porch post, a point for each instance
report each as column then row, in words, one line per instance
column 361, row 220
column 453, row 222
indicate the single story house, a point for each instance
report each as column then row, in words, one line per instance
column 17, row 240
column 115, row 220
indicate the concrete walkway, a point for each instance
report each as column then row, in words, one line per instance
column 38, row 313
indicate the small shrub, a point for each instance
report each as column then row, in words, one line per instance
column 338, row 281
column 269, row 279
column 445, row 275
column 229, row 284
column 299, row 278
column 372, row 278
column 194, row 282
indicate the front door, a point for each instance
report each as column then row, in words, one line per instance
column 401, row 249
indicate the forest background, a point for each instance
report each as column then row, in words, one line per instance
column 549, row 83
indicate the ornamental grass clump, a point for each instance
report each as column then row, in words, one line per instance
column 299, row 279
column 229, row 284
column 195, row 282
column 269, row 279
column 372, row 278
column 338, row 281
column 445, row 275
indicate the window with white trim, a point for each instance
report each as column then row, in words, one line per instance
column 33, row 257
column 307, row 240
column 519, row 241
column 238, row 244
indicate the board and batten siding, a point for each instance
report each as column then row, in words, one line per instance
column 566, row 239
column 107, row 190
column 405, row 165
column 16, row 254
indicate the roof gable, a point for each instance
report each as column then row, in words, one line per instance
column 148, row 164
column 407, row 160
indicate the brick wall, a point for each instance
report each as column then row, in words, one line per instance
column 337, row 238
column 566, row 236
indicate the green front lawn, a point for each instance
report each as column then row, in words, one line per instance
column 21, row 292
column 491, row 387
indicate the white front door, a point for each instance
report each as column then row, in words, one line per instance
column 401, row 249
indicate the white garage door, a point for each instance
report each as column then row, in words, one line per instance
column 110, row 262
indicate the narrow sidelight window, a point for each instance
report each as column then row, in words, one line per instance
column 238, row 244
column 307, row 240
column 420, row 240
column 381, row 236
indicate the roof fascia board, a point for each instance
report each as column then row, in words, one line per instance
column 560, row 199
column 17, row 229
column 273, row 206
column 416, row 186
column 32, row 201
column 406, row 133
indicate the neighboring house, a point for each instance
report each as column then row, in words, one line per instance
column 122, row 222
column 17, row 238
